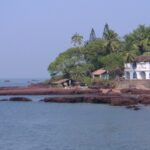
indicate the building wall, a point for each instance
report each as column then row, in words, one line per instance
column 140, row 70
column 102, row 76
column 133, row 84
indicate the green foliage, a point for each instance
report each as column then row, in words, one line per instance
column 109, row 52
column 146, row 54
column 93, row 51
column 70, row 64
column 104, row 83
column 113, row 63
column 139, row 39
column 109, row 34
column 87, row 80
column 129, row 56
column 111, row 38
column 77, row 40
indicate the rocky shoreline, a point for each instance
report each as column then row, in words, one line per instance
column 44, row 91
column 129, row 97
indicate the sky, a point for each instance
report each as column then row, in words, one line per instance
column 34, row 32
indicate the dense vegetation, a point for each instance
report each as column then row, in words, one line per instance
column 109, row 51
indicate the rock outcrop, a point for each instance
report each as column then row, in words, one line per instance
column 45, row 91
column 123, row 101
column 135, row 91
column 125, row 97
column 115, row 100
column 79, row 99
column 144, row 99
column 20, row 99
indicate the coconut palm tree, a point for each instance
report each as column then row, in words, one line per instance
column 77, row 40
column 129, row 56
column 112, row 40
column 139, row 39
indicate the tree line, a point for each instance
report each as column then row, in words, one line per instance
column 110, row 51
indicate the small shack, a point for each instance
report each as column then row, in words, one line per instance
column 100, row 74
column 63, row 83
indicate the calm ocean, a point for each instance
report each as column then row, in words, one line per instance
column 51, row 126
column 18, row 82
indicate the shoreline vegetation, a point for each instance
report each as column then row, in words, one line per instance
column 108, row 51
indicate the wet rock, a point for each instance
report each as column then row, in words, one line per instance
column 98, row 99
column 130, row 106
column 135, row 91
column 80, row 99
column 133, row 107
column 126, row 90
column 63, row 99
column 20, row 99
column 112, row 94
column 136, row 108
column 116, row 100
column 144, row 99
column 123, row 101
column 140, row 91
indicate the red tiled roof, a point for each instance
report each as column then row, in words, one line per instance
column 99, row 72
column 142, row 59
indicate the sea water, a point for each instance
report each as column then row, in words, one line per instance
column 50, row 126
column 56, row 126
column 19, row 82
column 22, row 83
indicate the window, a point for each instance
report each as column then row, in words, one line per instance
column 134, row 75
column 143, row 75
column 134, row 65
column 128, row 75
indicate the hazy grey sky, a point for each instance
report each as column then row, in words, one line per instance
column 34, row 32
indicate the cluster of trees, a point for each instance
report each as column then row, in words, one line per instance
column 109, row 51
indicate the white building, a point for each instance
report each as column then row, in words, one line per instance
column 139, row 69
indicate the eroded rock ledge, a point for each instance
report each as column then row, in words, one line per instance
column 44, row 91
column 125, row 97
